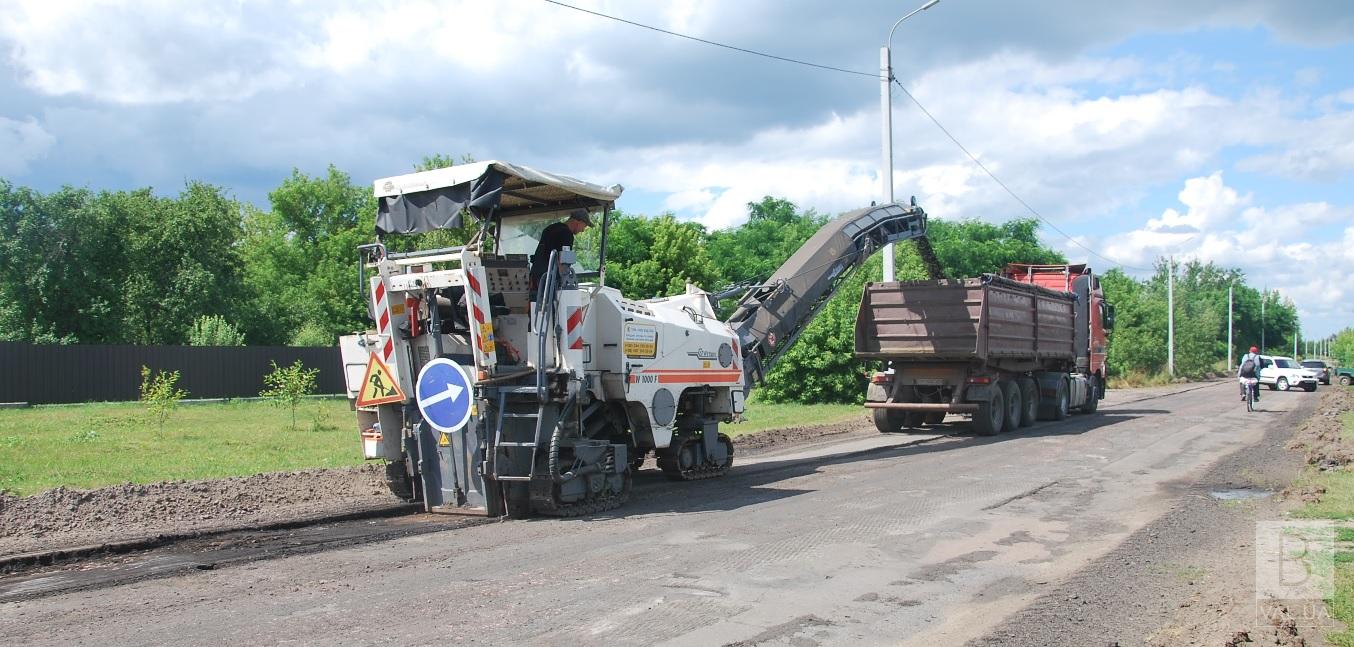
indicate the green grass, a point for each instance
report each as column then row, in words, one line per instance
column 94, row 445
column 761, row 416
column 1338, row 504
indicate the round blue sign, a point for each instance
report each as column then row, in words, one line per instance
column 443, row 393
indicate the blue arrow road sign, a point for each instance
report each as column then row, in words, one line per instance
column 443, row 393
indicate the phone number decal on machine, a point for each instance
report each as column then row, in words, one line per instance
column 640, row 340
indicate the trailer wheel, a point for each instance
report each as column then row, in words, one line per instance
column 935, row 417
column 1029, row 401
column 991, row 413
column 1057, row 407
column 1345, row 380
column 887, row 421
column 1011, row 393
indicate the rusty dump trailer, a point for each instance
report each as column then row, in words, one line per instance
column 1006, row 351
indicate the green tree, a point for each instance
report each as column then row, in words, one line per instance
column 161, row 395
column 301, row 257
column 652, row 257
column 775, row 229
column 214, row 330
column 287, row 386
column 62, row 260
column 183, row 260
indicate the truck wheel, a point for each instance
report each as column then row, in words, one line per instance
column 1093, row 397
column 991, row 414
column 935, row 417
column 1345, row 380
column 1282, row 384
column 1056, row 408
column 1011, row 393
column 1029, row 401
column 888, row 421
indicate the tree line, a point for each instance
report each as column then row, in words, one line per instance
column 85, row 266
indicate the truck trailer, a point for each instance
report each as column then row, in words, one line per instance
column 1007, row 349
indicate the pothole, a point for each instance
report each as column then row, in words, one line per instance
column 1240, row 494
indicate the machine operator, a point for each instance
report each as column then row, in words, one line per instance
column 553, row 239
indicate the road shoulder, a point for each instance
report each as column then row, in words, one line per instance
column 1187, row 578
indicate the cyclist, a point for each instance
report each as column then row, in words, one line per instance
column 1249, row 369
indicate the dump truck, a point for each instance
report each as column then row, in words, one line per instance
column 486, row 394
column 1007, row 349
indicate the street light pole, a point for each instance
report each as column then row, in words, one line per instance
column 1229, row 327
column 1170, row 315
column 886, row 125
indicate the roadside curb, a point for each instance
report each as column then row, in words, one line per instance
column 12, row 564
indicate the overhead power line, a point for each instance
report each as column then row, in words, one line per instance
column 873, row 75
column 1008, row 190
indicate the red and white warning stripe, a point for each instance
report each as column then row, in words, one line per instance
column 574, row 328
column 482, row 328
column 381, row 302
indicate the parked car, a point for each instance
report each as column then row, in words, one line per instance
column 1324, row 369
column 1283, row 373
column 1345, row 376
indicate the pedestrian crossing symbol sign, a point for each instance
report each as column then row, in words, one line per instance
column 379, row 385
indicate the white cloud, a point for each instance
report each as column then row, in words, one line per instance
column 22, row 142
column 1297, row 249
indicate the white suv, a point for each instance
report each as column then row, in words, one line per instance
column 1282, row 373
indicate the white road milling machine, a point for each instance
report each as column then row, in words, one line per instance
column 484, row 401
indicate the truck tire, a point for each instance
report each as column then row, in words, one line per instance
column 1029, row 401
column 1011, row 393
column 888, row 421
column 1093, row 397
column 1345, row 380
column 1057, row 407
column 1281, row 384
column 991, row 413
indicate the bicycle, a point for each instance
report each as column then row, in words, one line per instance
column 1250, row 384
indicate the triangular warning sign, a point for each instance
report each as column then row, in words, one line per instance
column 379, row 385
column 444, row 440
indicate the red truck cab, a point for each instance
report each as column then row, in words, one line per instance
column 1094, row 316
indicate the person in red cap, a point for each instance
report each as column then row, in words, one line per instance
column 1250, row 369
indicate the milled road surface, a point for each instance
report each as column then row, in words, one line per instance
column 927, row 540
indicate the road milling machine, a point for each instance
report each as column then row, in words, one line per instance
column 484, row 399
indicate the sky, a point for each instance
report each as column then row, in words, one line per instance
column 1217, row 131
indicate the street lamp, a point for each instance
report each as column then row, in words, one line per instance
column 886, row 107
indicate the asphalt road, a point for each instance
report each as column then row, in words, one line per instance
column 868, row 539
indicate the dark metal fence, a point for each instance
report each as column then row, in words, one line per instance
column 43, row 374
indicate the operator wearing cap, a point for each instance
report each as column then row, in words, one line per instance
column 555, row 238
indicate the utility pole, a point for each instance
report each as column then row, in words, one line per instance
column 1262, row 320
column 1170, row 315
column 1229, row 326
column 886, row 124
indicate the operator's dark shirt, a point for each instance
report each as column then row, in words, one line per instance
column 554, row 238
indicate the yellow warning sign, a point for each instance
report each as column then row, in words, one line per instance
column 444, row 440
column 379, row 385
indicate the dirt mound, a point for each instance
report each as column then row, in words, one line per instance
column 772, row 438
column 1320, row 438
column 64, row 517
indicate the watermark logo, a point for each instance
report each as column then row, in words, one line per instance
column 1294, row 572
